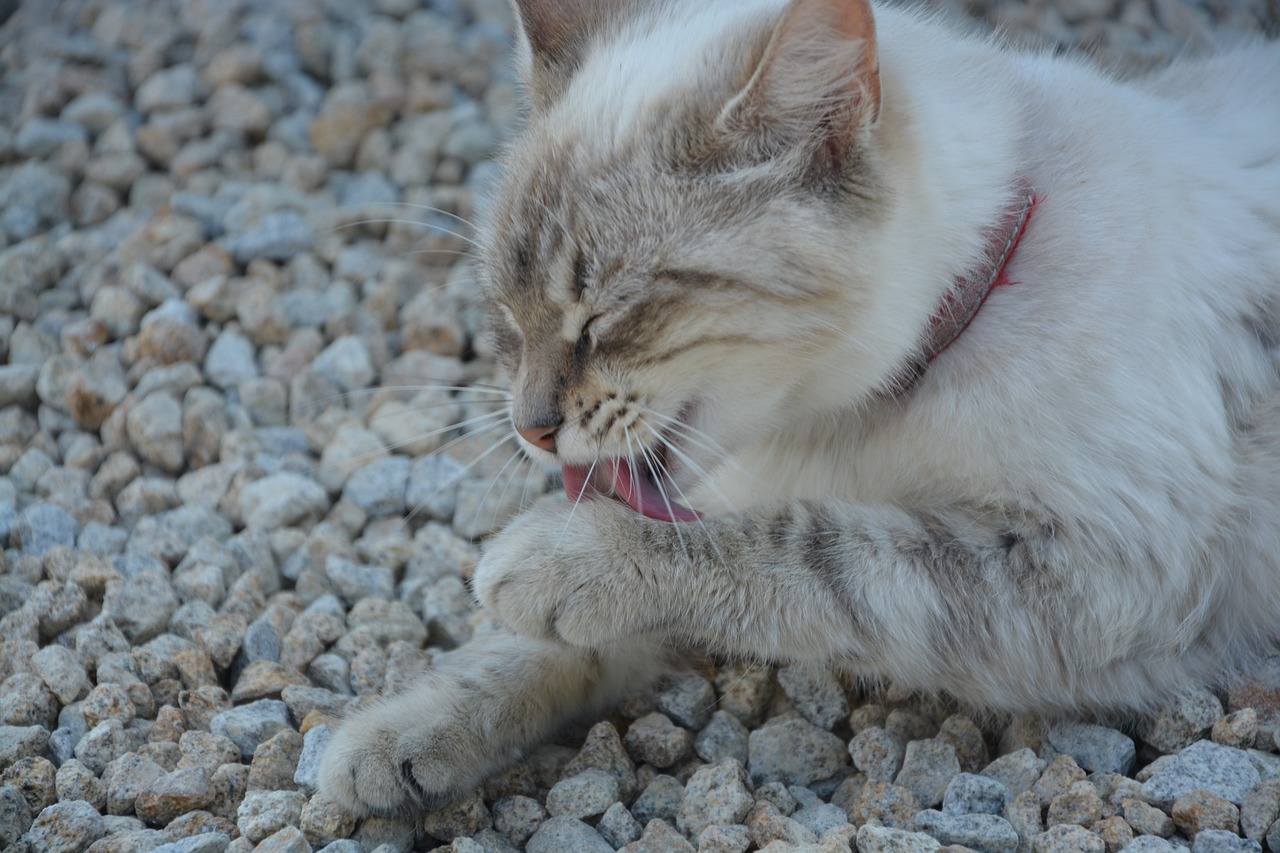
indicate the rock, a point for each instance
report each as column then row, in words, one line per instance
column 985, row 832
column 280, row 500
column 1238, row 729
column 169, row 89
column 585, row 795
column 724, row 839
column 18, row 742
column 927, row 768
column 1079, row 804
column 65, row 828
column 1198, row 810
column 603, row 750
column 1017, row 771
column 793, row 750
column 325, row 822
column 723, row 737
column 689, row 702
column 262, row 813
column 881, row 839
column 230, row 360
column 276, row 236
column 1259, row 809
column 815, row 693
column 1068, row 838
column 1221, row 770
column 1184, row 720
column 716, row 794
column 307, row 775
column 249, row 725
column 971, row 794
column 346, row 361
column 878, row 753
column 62, row 673
column 567, row 835
column 1147, row 819
column 1222, row 841
column 662, row 799
column 15, row 815
column 888, row 804
column 379, row 487
column 653, row 739
column 175, row 794
column 617, row 826
column 155, row 429
column 42, row 526
column 517, row 817
column 1097, row 749
column 659, row 837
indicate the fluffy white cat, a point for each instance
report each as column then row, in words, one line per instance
column 865, row 343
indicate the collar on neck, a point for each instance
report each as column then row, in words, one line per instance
column 961, row 303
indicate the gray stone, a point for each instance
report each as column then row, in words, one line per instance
column 1068, row 838
column 815, row 693
column 277, row 236
column 793, row 750
column 878, row 753
column 716, row 794
column 971, row 794
column 280, row 500
column 15, row 815
column 62, row 673
column 881, row 839
column 205, row 842
column 379, row 487
column 517, row 817
column 1223, row 841
column 1220, row 770
column 168, row 89
column 65, row 828
column 567, row 835
column 689, row 702
column 723, row 737
column 986, row 833
column 249, row 725
column 307, row 776
column 42, row 526
column 18, row 742
column 618, row 826
column 1150, row 844
column 1017, row 771
column 230, row 360
column 262, row 813
column 654, row 739
column 346, row 361
column 927, row 768
column 140, row 606
column 354, row 581
column 661, row 799
column 432, row 486
column 1182, row 721
column 585, row 795
column 1097, row 749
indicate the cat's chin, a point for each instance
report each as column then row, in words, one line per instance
column 636, row 485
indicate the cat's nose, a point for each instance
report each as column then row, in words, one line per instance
column 543, row 436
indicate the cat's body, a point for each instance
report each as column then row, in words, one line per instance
column 1074, row 508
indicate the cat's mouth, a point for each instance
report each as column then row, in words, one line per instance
column 634, row 482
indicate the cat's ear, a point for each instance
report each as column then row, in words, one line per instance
column 816, row 86
column 553, row 36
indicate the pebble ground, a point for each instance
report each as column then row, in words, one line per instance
column 240, row 495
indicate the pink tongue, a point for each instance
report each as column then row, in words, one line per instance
column 616, row 478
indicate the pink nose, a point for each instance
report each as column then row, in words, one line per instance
column 543, row 437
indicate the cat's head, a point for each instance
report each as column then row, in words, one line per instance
column 667, row 258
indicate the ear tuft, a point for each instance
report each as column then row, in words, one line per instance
column 554, row 38
column 816, row 87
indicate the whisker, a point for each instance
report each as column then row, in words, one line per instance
column 577, row 500
column 660, row 474
column 392, row 220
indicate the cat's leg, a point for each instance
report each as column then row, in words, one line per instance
column 1005, row 614
column 472, row 714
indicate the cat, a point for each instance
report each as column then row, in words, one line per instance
column 866, row 344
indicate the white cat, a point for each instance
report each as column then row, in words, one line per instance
column 964, row 356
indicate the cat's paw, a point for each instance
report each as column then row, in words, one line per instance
column 406, row 754
column 569, row 574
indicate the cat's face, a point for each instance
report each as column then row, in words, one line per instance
column 658, row 285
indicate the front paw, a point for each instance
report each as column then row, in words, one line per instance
column 572, row 575
column 403, row 756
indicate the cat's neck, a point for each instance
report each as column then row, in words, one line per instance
column 948, row 136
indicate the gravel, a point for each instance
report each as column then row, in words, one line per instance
column 243, row 389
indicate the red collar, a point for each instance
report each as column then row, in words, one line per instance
column 961, row 304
